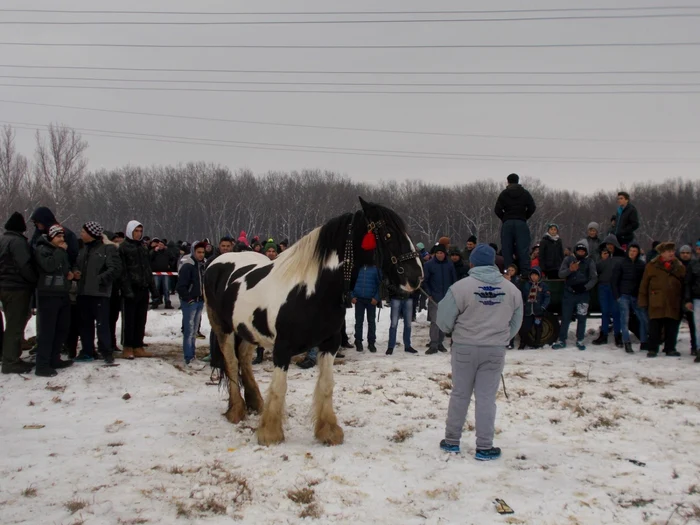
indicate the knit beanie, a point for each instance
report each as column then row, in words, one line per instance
column 483, row 255
column 16, row 223
column 686, row 249
column 472, row 238
column 445, row 241
column 593, row 226
column 56, row 229
column 94, row 229
column 441, row 248
column 269, row 245
column 420, row 246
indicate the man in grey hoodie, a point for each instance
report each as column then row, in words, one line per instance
column 483, row 312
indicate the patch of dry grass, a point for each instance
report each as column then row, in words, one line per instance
column 576, row 407
column 312, row 510
column 576, row 374
column 411, row 394
column 75, row 504
column 182, row 510
column 401, row 435
column 637, row 502
column 603, row 422
column 445, row 385
column 132, row 521
column 303, row 496
column 55, row 388
column 693, row 489
column 365, row 391
column 449, row 493
column 29, row 492
column 608, row 395
column 656, row 382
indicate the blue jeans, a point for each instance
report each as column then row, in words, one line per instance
column 362, row 306
column 609, row 308
column 515, row 240
column 627, row 303
column 401, row 308
column 574, row 302
column 163, row 287
column 191, row 316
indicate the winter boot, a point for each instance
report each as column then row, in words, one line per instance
column 432, row 350
column 307, row 362
column 652, row 354
column 128, row 353
column 673, row 353
column 109, row 358
column 46, row 372
column 259, row 357
column 60, row 363
column 347, row 344
column 444, row 445
column 140, row 352
column 488, row 454
column 441, row 348
column 618, row 340
column 602, row 339
column 168, row 305
column 372, row 348
column 389, row 351
column 628, row 348
column 358, row 346
column 410, row 350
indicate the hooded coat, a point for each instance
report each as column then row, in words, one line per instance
column 607, row 268
column 661, row 290
column 137, row 273
column 46, row 217
column 53, row 266
column 551, row 253
column 515, row 203
column 582, row 280
column 16, row 268
column 627, row 276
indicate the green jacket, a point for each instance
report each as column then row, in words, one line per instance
column 53, row 265
column 99, row 265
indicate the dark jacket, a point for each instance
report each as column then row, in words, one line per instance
column 438, row 277
column 544, row 296
column 46, row 217
column 627, row 224
column 606, row 268
column 461, row 269
column 367, row 284
column 692, row 281
column 515, row 203
column 582, row 280
column 190, row 281
column 100, row 266
column 136, row 274
column 661, row 290
column 551, row 254
column 396, row 292
column 53, row 266
column 16, row 266
column 162, row 261
column 627, row 277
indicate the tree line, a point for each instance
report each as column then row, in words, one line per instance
column 198, row 199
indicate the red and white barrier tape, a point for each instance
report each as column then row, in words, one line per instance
column 164, row 273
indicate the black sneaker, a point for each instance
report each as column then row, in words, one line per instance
column 442, row 348
column 628, row 348
column 652, row 354
column 358, row 346
column 602, row 340
column 389, row 351
column 673, row 354
column 488, row 454
column 46, row 372
column 307, row 363
column 371, row 348
column 410, row 350
column 431, row 351
column 62, row 364
column 109, row 359
column 618, row 340
column 347, row 344
column 510, row 346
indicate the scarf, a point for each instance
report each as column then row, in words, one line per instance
column 668, row 265
column 534, row 290
column 553, row 237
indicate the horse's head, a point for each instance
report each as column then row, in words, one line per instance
column 396, row 254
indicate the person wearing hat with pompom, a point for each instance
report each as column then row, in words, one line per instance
column 53, row 302
column 98, row 267
column 438, row 275
column 483, row 313
column 270, row 250
column 580, row 274
column 365, row 295
column 17, row 282
column 661, row 293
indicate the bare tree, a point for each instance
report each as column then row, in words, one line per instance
column 14, row 168
column 60, row 166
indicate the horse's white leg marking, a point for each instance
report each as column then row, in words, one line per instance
column 270, row 429
column 326, row 428
column 253, row 398
column 236, row 406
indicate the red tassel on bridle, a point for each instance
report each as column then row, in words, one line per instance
column 369, row 242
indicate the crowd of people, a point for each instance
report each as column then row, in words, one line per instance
column 79, row 285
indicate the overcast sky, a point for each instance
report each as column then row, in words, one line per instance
column 660, row 127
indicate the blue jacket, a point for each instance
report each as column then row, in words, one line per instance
column 438, row 277
column 367, row 284
column 542, row 302
column 190, row 280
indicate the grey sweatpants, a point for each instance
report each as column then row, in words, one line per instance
column 475, row 369
column 437, row 336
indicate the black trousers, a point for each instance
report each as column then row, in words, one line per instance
column 115, row 308
column 670, row 326
column 690, row 319
column 134, row 318
column 528, row 323
column 53, row 319
column 15, row 304
column 94, row 313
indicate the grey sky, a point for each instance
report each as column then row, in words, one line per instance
column 631, row 117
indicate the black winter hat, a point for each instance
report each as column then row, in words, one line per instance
column 472, row 238
column 16, row 223
column 441, row 248
column 513, row 178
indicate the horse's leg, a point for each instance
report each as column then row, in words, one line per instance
column 236, row 406
column 326, row 427
column 253, row 398
column 270, row 429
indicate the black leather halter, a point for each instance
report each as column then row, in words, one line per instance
column 378, row 228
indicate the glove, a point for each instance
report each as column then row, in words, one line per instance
column 579, row 288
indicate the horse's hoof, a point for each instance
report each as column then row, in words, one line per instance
column 235, row 414
column 267, row 436
column 255, row 404
column 330, row 434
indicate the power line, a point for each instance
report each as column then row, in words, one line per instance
column 351, row 92
column 319, row 13
column 336, row 72
column 353, row 46
column 353, row 21
column 360, row 84
column 354, row 129
column 359, row 151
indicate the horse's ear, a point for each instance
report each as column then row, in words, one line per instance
column 365, row 205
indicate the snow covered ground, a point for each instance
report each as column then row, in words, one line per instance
column 573, row 422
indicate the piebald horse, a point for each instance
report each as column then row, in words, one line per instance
column 295, row 303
